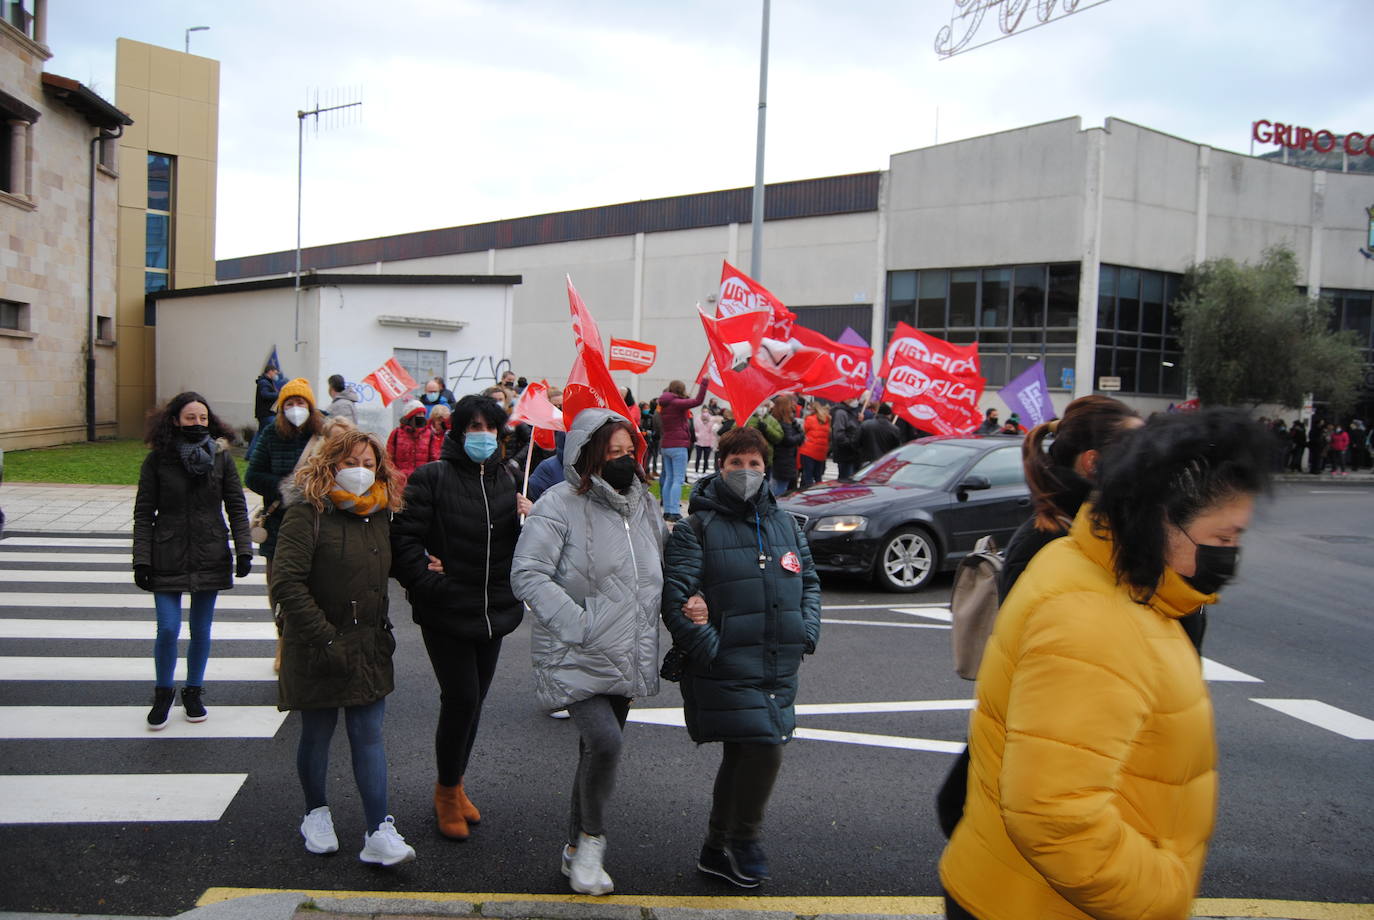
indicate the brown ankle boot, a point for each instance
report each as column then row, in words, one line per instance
column 448, row 811
column 470, row 812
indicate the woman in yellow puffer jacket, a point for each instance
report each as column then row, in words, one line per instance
column 1092, row 789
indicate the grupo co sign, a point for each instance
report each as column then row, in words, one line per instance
column 1323, row 141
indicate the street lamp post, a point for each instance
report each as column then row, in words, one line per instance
column 188, row 35
column 756, row 243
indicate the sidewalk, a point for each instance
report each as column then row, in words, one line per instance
column 255, row 904
column 53, row 507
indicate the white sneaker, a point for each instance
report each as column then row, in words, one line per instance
column 385, row 846
column 568, row 852
column 318, row 830
column 586, row 875
column 560, row 714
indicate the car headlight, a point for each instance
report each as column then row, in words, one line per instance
column 843, row 523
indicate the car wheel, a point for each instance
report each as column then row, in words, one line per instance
column 907, row 560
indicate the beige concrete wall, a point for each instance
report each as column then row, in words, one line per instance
column 43, row 262
column 174, row 101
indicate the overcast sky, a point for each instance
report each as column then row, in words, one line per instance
column 477, row 110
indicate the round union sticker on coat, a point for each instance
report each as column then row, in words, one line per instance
column 791, row 562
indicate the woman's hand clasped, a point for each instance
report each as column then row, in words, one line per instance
column 695, row 609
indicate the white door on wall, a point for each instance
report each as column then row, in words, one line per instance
column 421, row 364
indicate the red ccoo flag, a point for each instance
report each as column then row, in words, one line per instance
column 390, row 381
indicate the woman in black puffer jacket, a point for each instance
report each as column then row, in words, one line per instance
column 740, row 682
column 452, row 548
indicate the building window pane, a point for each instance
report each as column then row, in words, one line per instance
column 159, row 182
column 1358, row 317
column 994, row 367
column 1063, row 295
column 1061, row 336
column 1126, row 360
column 900, row 313
column 159, row 226
column 1106, row 298
column 996, row 297
column 1055, row 367
column 901, row 286
column 14, row 315
column 963, row 291
column 1171, row 378
column 930, row 309
column 1152, row 302
column 1128, row 300
column 154, row 281
column 1147, row 376
column 1028, row 296
column 992, row 337
column 1102, row 367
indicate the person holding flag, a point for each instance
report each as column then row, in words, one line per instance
column 673, row 406
column 452, row 548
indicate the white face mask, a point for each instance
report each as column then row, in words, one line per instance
column 297, row 415
column 355, row 479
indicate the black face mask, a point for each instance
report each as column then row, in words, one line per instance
column 620, row 472
column 194, row 433
column 1216, row 565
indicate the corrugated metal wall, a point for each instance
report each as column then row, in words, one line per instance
column 784, row 200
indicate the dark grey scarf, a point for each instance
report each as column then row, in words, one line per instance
column 197, row 456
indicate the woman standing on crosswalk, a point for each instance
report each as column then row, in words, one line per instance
column 181, row 545
column 329, row 588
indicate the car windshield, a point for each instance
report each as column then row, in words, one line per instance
column 925, row 466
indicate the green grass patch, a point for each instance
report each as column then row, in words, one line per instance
column 115, row 462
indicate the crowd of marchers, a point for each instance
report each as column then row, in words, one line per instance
column 1089, row 785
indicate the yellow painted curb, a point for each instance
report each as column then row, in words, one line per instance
column 807, row 906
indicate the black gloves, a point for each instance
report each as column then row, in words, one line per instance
column 245, row 564
column 143, row 577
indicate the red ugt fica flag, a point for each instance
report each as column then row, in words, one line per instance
column 590, row 384
column 932, row 383
column 754, row 351
column 390, row 381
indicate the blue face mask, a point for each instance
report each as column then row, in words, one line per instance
column 479, row 445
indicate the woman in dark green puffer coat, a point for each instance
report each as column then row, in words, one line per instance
column 754, row 568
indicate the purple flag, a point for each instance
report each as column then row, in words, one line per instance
column 850, row 337
column 1029, row 396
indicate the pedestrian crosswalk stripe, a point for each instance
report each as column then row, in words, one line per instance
column 109, row 577
column 1216, row 671
column 30, row 723
column 141, row 669
column 1324, row 715
column 103, row 542
column 123, row 559
column 942, row 614
column 898, row 625
column 80, row 799
column 123, row 629
column 133, row 600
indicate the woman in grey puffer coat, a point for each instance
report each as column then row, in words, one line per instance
column 589, row 565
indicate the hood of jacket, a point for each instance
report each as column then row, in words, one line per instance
column 349, row 394
column 583, row 427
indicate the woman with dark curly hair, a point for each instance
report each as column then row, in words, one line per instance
column 187, row 483
column 1093, row 787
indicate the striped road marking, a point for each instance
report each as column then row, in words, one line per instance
column 1322, row 715
column 885, row 623
column 1216, row 671
column 141, row 669
column 121, row 629
column 83, row 558
column 52, row 576
column 942, row 614
column 86, row 722
column 94, row 542
column 134, row 600
column 138, row 797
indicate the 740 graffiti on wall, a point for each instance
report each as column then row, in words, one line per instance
column 478, row 368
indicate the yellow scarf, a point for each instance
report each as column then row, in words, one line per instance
column 374, row 500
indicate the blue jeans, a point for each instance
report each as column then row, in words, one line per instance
column 674, row 475
column 364, row 725
column 812, row 471
column 168, row 606
column 779, row 486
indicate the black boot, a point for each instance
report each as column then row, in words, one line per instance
column 163, row 698
column 195, row 709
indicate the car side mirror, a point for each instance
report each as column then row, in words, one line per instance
column 974, row 483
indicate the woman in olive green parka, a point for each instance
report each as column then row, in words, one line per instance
column 329, row 592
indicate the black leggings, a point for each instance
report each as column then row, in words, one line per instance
column 744, row 784
column 955, row 911
column 703, row 459
column 464, row 669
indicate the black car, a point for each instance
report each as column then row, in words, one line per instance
column 915, row 511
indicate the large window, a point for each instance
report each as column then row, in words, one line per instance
column 1353, row 311
column 1138, row 333
column 157, row 271
column 1017, row 314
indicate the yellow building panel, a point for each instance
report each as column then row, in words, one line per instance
column 131, row 350
column 133, row 241
column 132, row 63
column 129, row 309
column 193, row 137
column 164, row 123
column 193, row 191
column 133, row 101
column 133, row 405
column 133, row 177
column 189, row 249
column 164, row 71
column 195, row 78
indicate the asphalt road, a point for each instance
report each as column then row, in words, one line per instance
column 852, row 812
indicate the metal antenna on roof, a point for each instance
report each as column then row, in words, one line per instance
column 336, row 111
